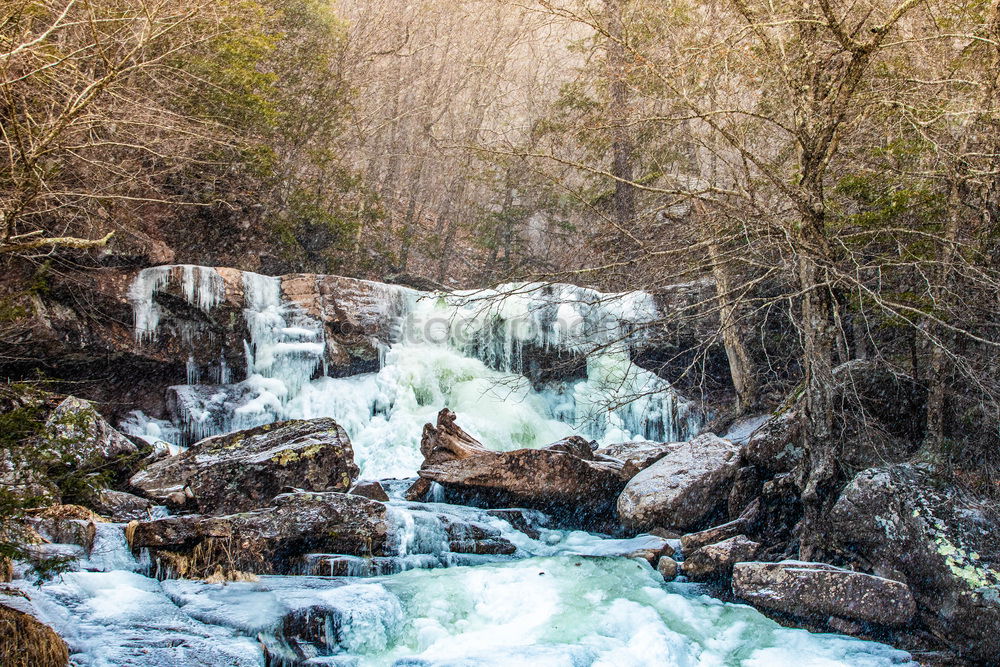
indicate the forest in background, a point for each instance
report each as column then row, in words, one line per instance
column 831, row 166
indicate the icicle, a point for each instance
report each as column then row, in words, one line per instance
column 201, row 287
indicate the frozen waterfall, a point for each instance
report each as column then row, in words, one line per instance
column 468, row 351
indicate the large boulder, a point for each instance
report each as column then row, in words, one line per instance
column 269, row 540
column 683, row 490
column 244, row 470
column 899, row 522
column 575, row 490
column 818, row 591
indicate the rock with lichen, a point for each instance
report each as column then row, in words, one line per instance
column 244, row 470
column 898, row 522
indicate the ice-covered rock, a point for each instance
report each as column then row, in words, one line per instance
column 246, row 469
column 684, row 489
column 818, row 591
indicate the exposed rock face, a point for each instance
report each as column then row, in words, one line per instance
column 694, row 541
column 77, row 429
column 775, row 447
column 122, row 507
column 246, row 469
column 576, row 491
column 27, row 642
column 715, row 562
column 66, row 524
column 818, row 591
column 684, row 489
column 897, row 523
column 271, row 540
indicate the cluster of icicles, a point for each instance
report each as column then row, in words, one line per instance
column 461, row 350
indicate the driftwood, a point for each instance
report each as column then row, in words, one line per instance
column 448, row 442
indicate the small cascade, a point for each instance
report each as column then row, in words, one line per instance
column 110, row 550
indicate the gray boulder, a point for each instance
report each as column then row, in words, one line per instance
column 245, row 470
column 819, row 591
column 684, row 489
column 77, row 430
column 122, row 507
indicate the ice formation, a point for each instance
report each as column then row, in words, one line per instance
column 201, row 286
column 465, row 350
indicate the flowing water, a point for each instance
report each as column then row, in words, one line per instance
column 562, row 600
column 552, row 598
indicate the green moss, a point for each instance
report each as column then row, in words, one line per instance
column 287, row 456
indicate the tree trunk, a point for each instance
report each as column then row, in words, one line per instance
column 821, row 470
column 740, row 366
column 622, row 145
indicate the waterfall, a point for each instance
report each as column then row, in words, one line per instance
column 471, row 351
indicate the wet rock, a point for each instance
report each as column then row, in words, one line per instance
column 818, row 591
column 418, row 490
column 668, row 567
column 574, row 491
column 370, row 490
column 684, row 489
column 244, row 470
column 270, row 540
column 900, row 523
column 122, row 507
column 27, row 642
column 715, row 562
